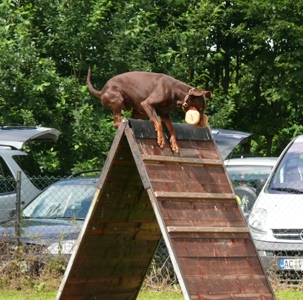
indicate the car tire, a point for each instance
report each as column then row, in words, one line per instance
column 250, row 194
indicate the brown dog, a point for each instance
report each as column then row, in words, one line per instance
column 151, row 95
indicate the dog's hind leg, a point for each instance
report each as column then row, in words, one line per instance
column 115, row 102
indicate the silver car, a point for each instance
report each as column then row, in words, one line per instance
column 12, row 160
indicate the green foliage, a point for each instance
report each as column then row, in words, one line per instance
column 249, row 54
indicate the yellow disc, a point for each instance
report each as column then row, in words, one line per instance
column 192, row 117
column 203, row 121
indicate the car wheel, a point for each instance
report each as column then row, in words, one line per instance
column 249, row 193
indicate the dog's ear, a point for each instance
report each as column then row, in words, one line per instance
column 208, row 94
column 195, row 92
column 198, row 93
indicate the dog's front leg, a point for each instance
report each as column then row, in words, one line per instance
column 173, row 140
column 159, row 130
column 150, row 111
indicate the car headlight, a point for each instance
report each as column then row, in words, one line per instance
column 63, row 247
column 257, row 219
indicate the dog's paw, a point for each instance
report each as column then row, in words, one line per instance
column 174, row 147
column 160, row 140
column 116, row 124
column 161, row 143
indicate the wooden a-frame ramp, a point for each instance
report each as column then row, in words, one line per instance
column 145, row 193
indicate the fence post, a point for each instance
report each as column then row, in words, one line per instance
column 18, row 208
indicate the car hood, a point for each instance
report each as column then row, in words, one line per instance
column 284, row 211
column 16, row 136
column 43, row 231
column 227, row 140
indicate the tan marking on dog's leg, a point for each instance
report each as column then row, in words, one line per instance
column 117, row 120
column 160, row 136
column 173, row 140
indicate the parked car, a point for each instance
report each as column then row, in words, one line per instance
column 51, row 222
column 248, row 175
column 276, row 220
column 12, row 160
column 227, row 140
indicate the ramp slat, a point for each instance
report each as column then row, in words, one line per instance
column 173, row 159
column 207, row 229
column 189, row 195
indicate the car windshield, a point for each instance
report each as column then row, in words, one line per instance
column 248, row 175
column 70, row 199
column 288, row 178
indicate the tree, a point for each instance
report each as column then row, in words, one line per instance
column 247, row 53
column 270, row 83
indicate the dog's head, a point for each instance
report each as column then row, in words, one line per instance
column 195, row 100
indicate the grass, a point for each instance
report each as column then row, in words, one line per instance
column 19, row 280
column 30, row 295
column 144, row 295
column 289, row 295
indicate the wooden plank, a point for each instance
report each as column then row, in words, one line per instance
column 214, row 246
column 188, row 178
column 117, row 212
column 229, row 287
column 123, row 229
column 106, row 250
column 92, row 294
column 181, row 160
column 190, row 149
column 196, row 222
column 189, row 195
column 239, row 296
column 224, row 276
column 225, row 266
column 117, row 177
column 207, row 229
column 201, row 213
column 209, row 235
column 115, row 193
column 107, row 268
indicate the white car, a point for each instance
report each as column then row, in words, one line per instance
column 276, row 220
column 12, row 160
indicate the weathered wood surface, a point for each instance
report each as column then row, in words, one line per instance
column 145, row 193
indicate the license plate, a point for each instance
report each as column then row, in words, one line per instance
column 291, row 264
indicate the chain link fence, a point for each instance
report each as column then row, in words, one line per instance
column 49, row 226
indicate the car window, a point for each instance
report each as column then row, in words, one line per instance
column 288, row 177
column 28, row 164
column 31, row 168
column 61, row 201
column 7, row 181
column 247, row 175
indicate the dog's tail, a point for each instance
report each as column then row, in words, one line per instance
column 90, row 86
